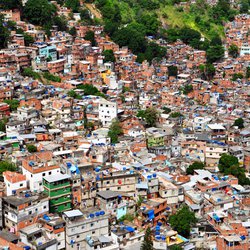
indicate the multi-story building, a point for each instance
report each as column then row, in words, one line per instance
column 37, row 166
column 214, row 150
column 80, row 225
column 58, row 188
column 107, row 112
column 55, row 226
column 14, row 182
column 37, row 238
column 23, row 210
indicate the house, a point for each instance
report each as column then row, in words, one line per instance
column 58, row 189
column 23, row 210
column 37, row 166
column 80, row 225
column 107, row 112
column 14, row 182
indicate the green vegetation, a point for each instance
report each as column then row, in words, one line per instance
column 3, row 122
column 166, row 110
column 30, row 73
column 207, row 71
column 172, row 71
column 195, row 165
column 114, row 131
column 147, row 243
column 244, row 6
column 187, row 89
column 233, row 50
column 4, row 33
column 27, row 38
column 248, row 73
column 51, row 77
column 74, row 95
column 31, row 148
column 128, row 217
column 182, row 221
column 73, row 31
column 73, row 5
column 89, row 89
column 39, row 12
column 10, row 4
column 239, row 123
column 7, row 166
column 14, row 103
column 108, row 55
column 149, row 115
column 237, row 76
column 175, row 247
column 229, row 164
column 90, row 36
column 176, row 115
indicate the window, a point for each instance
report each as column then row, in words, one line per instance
column 30, row 212
column 21, row 184
column 44, row 207
column 50, row 173
column 92, row 224
column 78, row 236
column 93, row 232
column 44, row 174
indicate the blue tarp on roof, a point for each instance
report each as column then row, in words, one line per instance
column 130, row 229
column 151, row 214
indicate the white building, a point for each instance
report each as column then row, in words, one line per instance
column 107, row 112
column 245, row 49
column 79, row 226
column 14, row 182
column 200, row 123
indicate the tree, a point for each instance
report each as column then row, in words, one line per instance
column 239, row 123
column 7, row 166
column 39, row 12
column 175, row 247
column 147, row 243
column 248, row 73
column 90, row 36
column 172, row 71
column 74, row 95
column 3, row 122
column 108, row 55
column 215, row 53
column 149, row 115
column 233, row 50
column 166, row 110
column 187, row 89
column 73, row 5
column 10, row 4
column 114, row 131
column 31, row 148
column 237, row 76
column 51, row 77
column 28, row 39
column 182, row 221
column 229, row 164
column 14, row 103
column 73, row 31
column 244, row 6
column 60, row 22
column 4, row 33
column 193, row 166
column 226, row 161
column 176, row 115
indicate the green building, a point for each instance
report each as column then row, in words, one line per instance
column 58, row 188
